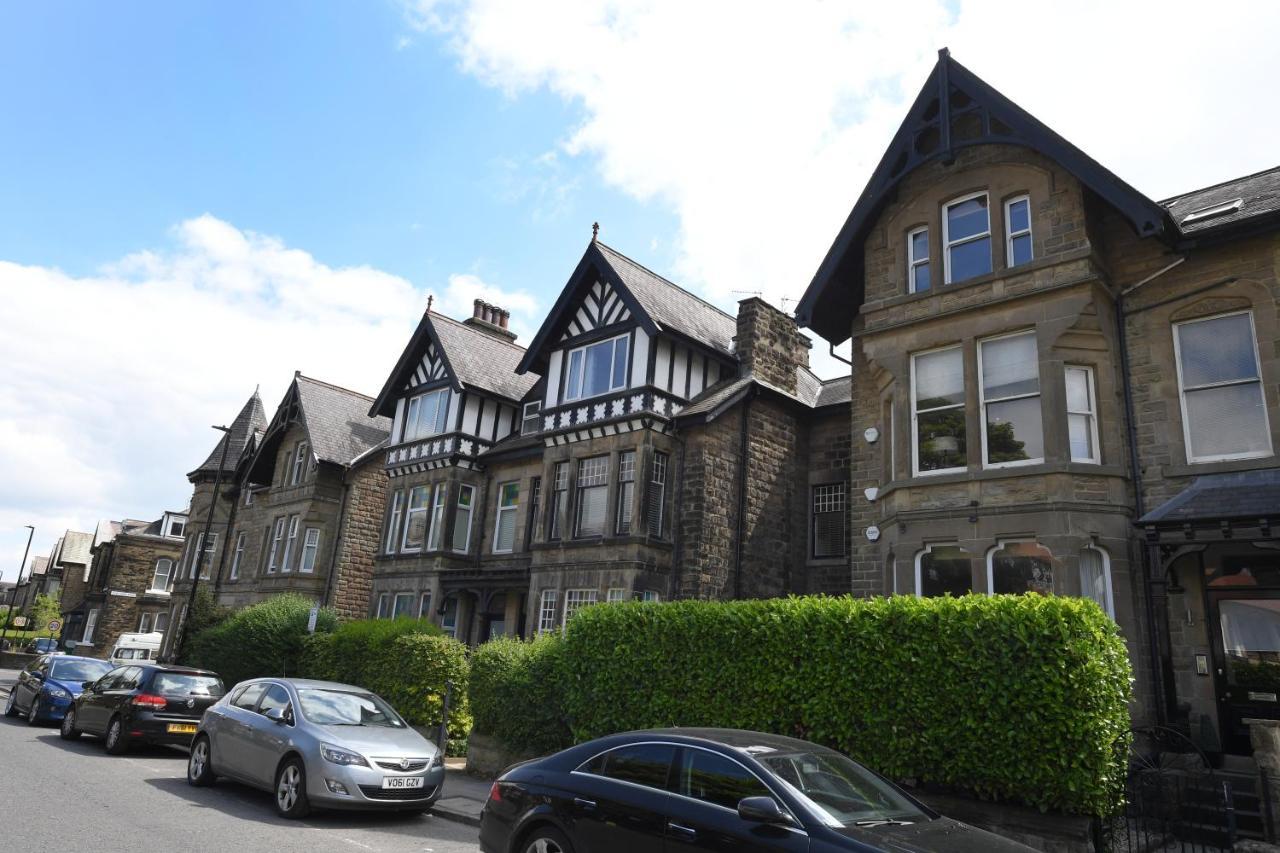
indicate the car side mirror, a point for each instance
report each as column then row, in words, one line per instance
column 38, row 676
column 275, row 715
column 88, row 685
column 763, row 810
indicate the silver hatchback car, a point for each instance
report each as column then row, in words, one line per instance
column 316, row 743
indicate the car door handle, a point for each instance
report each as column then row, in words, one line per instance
column 687, row 833
column 582, row 803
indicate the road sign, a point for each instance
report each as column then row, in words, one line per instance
column 54, row 624
column 311, row 620
column 19, row 621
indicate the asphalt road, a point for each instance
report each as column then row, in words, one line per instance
column 61, row 796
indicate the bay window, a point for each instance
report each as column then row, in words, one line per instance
column 559, row 500
column 918, row 260
column 415, row 524
column 299, row 469
column 966, row 238
column 462, row 518
column 1017, row 231
column 277, row 537
column 1082, row 414
column 426, row 415
column 535, row 498
column 504, row 532
column 592, row 497
column 1020, row 566
column 1012, row 432
column 937, row 411
column 290, row 544
column 626, row 491
column 393, row 522
column 1095, row 578
column 310, row 549
column 943, row 570
column 435, row 540
column 828, row 520
column 1224, row 408
column 547, row 611
column 402, row 605
column 657, row 497
column 575, row 600
column 237, row 556
column 597, row 368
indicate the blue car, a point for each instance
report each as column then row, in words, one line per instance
column 46, row 688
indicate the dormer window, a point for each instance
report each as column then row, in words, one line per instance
column 918, row 260
column 597, row 369
column 966, row 236
column 531, row 418
column 426, row 415
column 1017, row 227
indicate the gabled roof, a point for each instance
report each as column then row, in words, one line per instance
column 251, row 418
column 1228, row 204
column 1210, row 497
column 657, row 303
column 955, row 109
column 473, row 359
column 39, row 565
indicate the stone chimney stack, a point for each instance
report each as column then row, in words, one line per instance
column 769, row 344
column 490, row 319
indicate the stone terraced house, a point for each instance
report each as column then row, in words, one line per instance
column 646, row 445
column 1060, row 385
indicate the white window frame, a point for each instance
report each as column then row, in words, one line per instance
column 393, row 522
column 580, row 489
column 513, row 509
column 659, row 474
column 580, row 598
column 237, row 556
column 435, row 528
column 1010, row 234
column 449, row 617
column 381, row 611
column 299, row 469
column 405, row 547
column 615, row 594
column 90, row 625
column 571, row 394
column 947, row 245
column 1000, row 545
column 168, row 577
column 1182, row 390
column 650, row 595
column 928, row 549
column 470, row 509
column 412, row 431
column 1091, row 414
column 526, row 416
column 424, row 605
column 913, row 262
column 548, row 606
column 248, row 495
column 310, row 550
column 277, row 536
column 395, row 603
column 199, row 558
column 827, row 495
column 290, row 540
column 624, row 517
column 1110, row 606
column 915, row 413
column 144, row 623
column 156, row 626
column 982, row 401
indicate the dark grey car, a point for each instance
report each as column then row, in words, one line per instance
column 316, row 743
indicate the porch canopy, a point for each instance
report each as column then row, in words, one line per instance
column 1217, row 507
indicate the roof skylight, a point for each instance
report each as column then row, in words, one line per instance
column 1213, row 210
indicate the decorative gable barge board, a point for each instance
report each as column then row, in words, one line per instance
column 613, row 428
column 431, row 369
column 407, row 366
column 953, row 95
column 601, row 307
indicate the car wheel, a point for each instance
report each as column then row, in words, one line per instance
column 33, row 715
column 117, row 743
column 69, row 730
column 10, row 709
column 546, row 839
column 200, row 764
column 291, row 790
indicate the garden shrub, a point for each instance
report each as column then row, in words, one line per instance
column 1020, row 698
column 265, row 639
column 516, row 693
column 354, row 648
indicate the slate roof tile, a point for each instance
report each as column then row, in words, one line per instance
column 1247, row 494
column 338, row 422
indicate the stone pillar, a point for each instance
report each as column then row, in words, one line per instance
column 1264, row 737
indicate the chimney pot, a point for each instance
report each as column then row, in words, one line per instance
column 475, row 308
column 506, row 317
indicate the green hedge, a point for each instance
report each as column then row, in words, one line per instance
column 516, row 693
column 405, row 661
column 265, row 639
column 1020, row 698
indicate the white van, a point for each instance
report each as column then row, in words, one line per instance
column 136, row 647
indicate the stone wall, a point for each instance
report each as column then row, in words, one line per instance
column 769, row 344
column 359, row 539
column 126, row 595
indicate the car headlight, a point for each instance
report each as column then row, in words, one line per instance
column 335, row 755
column 57, row 692
column 438, row 759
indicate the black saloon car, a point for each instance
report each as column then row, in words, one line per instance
column 712, row 789
column 146, row 703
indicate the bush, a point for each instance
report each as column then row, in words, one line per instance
column 265, row 639
column 1019, row 698
column 516, row 690
column 405, row 661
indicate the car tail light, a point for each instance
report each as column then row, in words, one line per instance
column 148, row 700
column 495, row 793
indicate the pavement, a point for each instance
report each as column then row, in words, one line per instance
column 76, row 797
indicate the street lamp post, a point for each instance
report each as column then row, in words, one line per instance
column 8, row 616
column 201, row 543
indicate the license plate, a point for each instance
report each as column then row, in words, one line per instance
column 180, row 729
column 400, row 783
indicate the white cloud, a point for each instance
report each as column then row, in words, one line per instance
column 458, row 300
column 758, row 124
column 111, row 380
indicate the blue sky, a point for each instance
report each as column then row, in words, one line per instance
column 199, row 198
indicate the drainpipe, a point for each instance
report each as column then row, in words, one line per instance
column 338, row 540
column 1156, row 599
column 677, row 541
column 742, row 490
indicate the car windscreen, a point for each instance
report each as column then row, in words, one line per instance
column 326, row 707
column 838, row 789
column 186, row 684
column 76, row 671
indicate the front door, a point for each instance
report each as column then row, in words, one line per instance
column 1246, row 646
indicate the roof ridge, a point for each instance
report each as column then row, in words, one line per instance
column 463, row 324
column 331, row 385
column 1175, row 198
column 665, row 280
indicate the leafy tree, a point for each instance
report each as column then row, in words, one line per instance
column 46, row 609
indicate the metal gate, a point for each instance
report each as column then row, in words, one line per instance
column 1174, row 799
